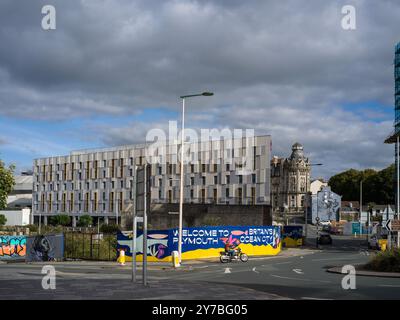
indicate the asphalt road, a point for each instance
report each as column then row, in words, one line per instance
column 301, row 275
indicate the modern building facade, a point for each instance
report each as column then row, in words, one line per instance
column 397, row 87
column 394, row 138
column 99, row 182
column 290, row 181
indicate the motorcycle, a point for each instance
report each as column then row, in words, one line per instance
column 236, row 256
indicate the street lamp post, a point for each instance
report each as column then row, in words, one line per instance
column 207, row 94
column 305, row 218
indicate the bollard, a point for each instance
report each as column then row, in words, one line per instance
column 121, row 257
column 175, row 259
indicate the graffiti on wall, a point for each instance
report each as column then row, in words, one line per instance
column 157, row 243
column 45, row 247
column 292, row 236
column 12, row 247
column 203, row 242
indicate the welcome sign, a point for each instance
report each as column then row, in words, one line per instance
column 203, row 242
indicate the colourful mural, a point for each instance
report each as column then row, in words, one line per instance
column 292, row 236
column 45, row 247
column 203, row 242
column 12, row 247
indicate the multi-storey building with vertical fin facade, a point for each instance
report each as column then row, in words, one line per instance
column 290, row 181
column 99, row 182
column 394, row 137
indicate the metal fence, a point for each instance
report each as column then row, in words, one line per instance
column 90, row 246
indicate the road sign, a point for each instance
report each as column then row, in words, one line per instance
column 393, row 225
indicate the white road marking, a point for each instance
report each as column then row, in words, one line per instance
column 254, row 269
column 227, row 270
column 311, row 298
column 389, row 285
column 327, row 259
column 278, row 263
column 289, row 278
column 298, row 271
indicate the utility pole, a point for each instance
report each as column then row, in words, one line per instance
column 134, row 227
column 317, row 220
column 398, row 188
column 359, row 218
column 145, row 228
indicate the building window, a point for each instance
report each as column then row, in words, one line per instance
column 192, row 168
column 203, row 180
column 191, row 193
column 203, row 168
column 228, row 167
column 240, row 179
column 228, row 179
column 192, row 181
column 253, row 178
column 227, row 192
column 215, row 179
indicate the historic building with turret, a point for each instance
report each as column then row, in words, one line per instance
column 290, row 181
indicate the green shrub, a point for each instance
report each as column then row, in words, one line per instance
column 110, row 228
column 387, row 261
column 3, row 220
column 85, row 221
column 32, row 227
column 60, row 220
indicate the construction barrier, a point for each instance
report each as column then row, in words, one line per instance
column 202, row 242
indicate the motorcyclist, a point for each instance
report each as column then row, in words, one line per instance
column 230, row 248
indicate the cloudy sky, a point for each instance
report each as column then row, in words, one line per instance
column 112, row 70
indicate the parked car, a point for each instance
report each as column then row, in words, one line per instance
column 334, row 230
column 324, row 238
column 325, row 223
column 326, row 227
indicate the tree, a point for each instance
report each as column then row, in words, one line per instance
column 7, row 183
column 3, row 220
column 85, row 220
column 378, row 186
column 60, row 220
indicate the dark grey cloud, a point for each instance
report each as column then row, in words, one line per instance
column 283, row 68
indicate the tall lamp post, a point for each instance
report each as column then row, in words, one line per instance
column 305, row 218
column 206, row 94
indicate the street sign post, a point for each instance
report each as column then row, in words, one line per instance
column 393, row 225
